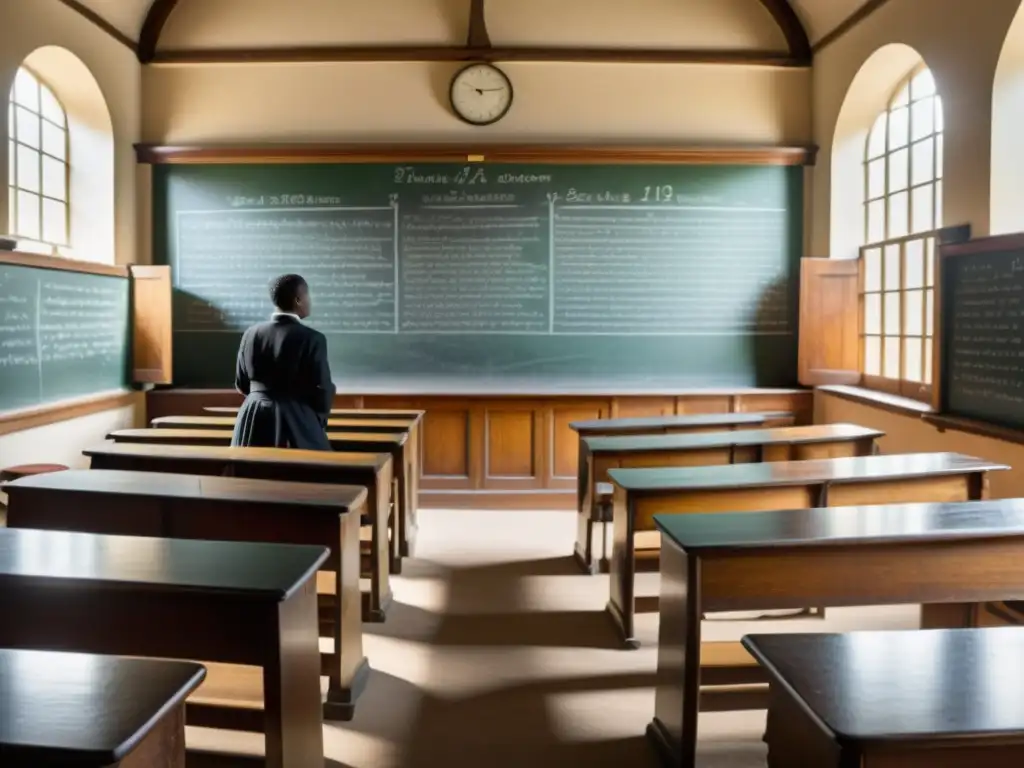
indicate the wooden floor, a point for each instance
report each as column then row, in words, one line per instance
column 497, row 653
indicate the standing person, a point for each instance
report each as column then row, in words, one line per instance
column 283, row 372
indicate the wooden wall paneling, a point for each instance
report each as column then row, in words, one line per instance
column 152, row 361
column 446, row 449
column 564, row 443
column 705, row 404
column 829, row 342
column 631, row 407
column 511, row 445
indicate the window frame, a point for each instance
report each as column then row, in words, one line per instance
column 13, row 144
column 901, row 385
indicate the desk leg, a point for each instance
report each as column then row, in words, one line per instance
column 412, row 489
column 622, row 569
column 346, row 668
column 164, row 746
column 584, row 549
column 948, row 615
column 291, row 686
column 673, row 731
column 400, row 511
column 380, row 551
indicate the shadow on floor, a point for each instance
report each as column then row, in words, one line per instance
column 556, row 629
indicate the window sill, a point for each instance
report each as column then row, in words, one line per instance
column 903, row 406
column 51, row 413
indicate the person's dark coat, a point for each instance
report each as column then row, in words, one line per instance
column 282, row 370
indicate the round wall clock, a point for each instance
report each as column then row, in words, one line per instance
column 480, row 94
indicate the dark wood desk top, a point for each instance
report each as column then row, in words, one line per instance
column 818, row 433
column 708, row 534
column 333, row 423
column 319, row 459
column 55, row 558
column 899, row 686
column 783, row 473
column 337, row 498
column 657, row 422
column 385, row 440
column 76, row 710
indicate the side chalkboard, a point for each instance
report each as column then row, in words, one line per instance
column 684, row 275
column 982, row 330
column 63, row 334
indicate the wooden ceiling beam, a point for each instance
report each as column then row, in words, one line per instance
column 149, row 37
column 792, row 29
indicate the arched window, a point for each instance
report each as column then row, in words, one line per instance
column 902, row 213
column 38, row 162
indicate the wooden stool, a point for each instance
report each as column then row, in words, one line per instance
column 10, row 474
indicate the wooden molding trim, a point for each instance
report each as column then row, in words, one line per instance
column 849, row 23
column 478, row 37
column 51, row 413
column 902, row 406
column 64, row 265
column 973, row 427
column 152, row 26
column 94, row 18
column 374, row 153
column 789, row 23
column 456, row 54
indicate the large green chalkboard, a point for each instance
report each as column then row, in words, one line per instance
column 982, row 333
column 62, row 335
column 511, row 274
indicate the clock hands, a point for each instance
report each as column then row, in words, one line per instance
column 482, row 91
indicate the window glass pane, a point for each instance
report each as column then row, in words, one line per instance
column 922, row 206
column 51, row 108
column 922, row 161
column 28, row 215
column 54, row 140
column 939, row 142
column 912, row 360
column 872, row 269
column 898, row 224
column 929, row 316
column 940, row 124
column 923, row 84
column 913, row 313
column 922, row 119
column 12, row 163
column 26, row 90
column 876, row 178
column 899, row 128
column 876, row 221
column 929, row 261
column 872, row 313
column 873, row 356
column 27, row 127
column 913, row 255
column 902, row 96
column 55, row 222
column 891, row 361
column 891, row 319
column 892, row 267
column 876, row 139
column 938, row 204
column 28, row 169
column 899, row 170
column 928, row 362
column 54, row 178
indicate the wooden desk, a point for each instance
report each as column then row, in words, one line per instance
column 371, row 470
column 397, row 444
column 948, row 556
column 370, row 414
column 73, row 710
column 944, row 699
column 223, row 509
column 590, row 527
column 216, row 601
column 334, row 424
column 701, row 448
column 642, row 493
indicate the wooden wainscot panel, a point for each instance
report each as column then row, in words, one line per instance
column 632, row 407
column 511, row 438
column 151, row 330
column 565, row 443
column 446, row 445
column 705, row 404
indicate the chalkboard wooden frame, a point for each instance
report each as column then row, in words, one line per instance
column 944, row 418
column 153, row 154
column 49, row 413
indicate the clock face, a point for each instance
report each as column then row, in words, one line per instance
column 481, row 94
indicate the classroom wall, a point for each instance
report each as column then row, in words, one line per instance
column 28, row 26
column 407, row 102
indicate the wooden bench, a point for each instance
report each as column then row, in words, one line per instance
column 214, row 601
column 693, row 449
column 590, row 526
column 642, row 493
column 396, row 444
column 948, row 556
column 373, row 471
column 945, row 699
column 74, row 710
column 224, row 509
column 408, row 425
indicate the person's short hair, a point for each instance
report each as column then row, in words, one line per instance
column 284, row 290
